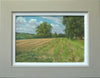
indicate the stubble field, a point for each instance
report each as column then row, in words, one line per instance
column 49, row 50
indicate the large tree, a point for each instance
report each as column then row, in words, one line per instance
column 44, row 30
column 74, row 26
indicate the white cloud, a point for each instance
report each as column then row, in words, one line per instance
column 41, row 22
column 23, row 26
column 26, row 30
column 20, row 20
column 58, row 29
column 32, row 20
column 55, row 19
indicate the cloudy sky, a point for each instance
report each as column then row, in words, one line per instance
column 28, row 24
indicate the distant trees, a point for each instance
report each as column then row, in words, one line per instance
column 44, row 30
column 74, row 26
column 54, row 35
column 61, row 35
column 24, row 36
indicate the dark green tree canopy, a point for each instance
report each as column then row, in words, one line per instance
column 74, row 26
column 44, row 30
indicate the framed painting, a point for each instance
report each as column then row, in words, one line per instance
column 49, row 39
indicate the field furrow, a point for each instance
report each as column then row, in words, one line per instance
column 49, row 50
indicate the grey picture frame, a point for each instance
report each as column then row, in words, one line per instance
column 92, row 7
column 85, row 63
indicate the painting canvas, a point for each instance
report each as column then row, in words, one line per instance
column 49, row 38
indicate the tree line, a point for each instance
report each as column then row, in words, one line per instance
column 74, row 29
column 74, row 26
column 44, row 31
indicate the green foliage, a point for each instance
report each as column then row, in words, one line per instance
column 74, row 26
column 61, row 35
column 44, row 30
column 24, row 36
column 54, row 35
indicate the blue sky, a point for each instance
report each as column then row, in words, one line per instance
column 28, row 24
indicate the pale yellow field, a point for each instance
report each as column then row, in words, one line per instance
column 29, row 44
column 49, row 50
